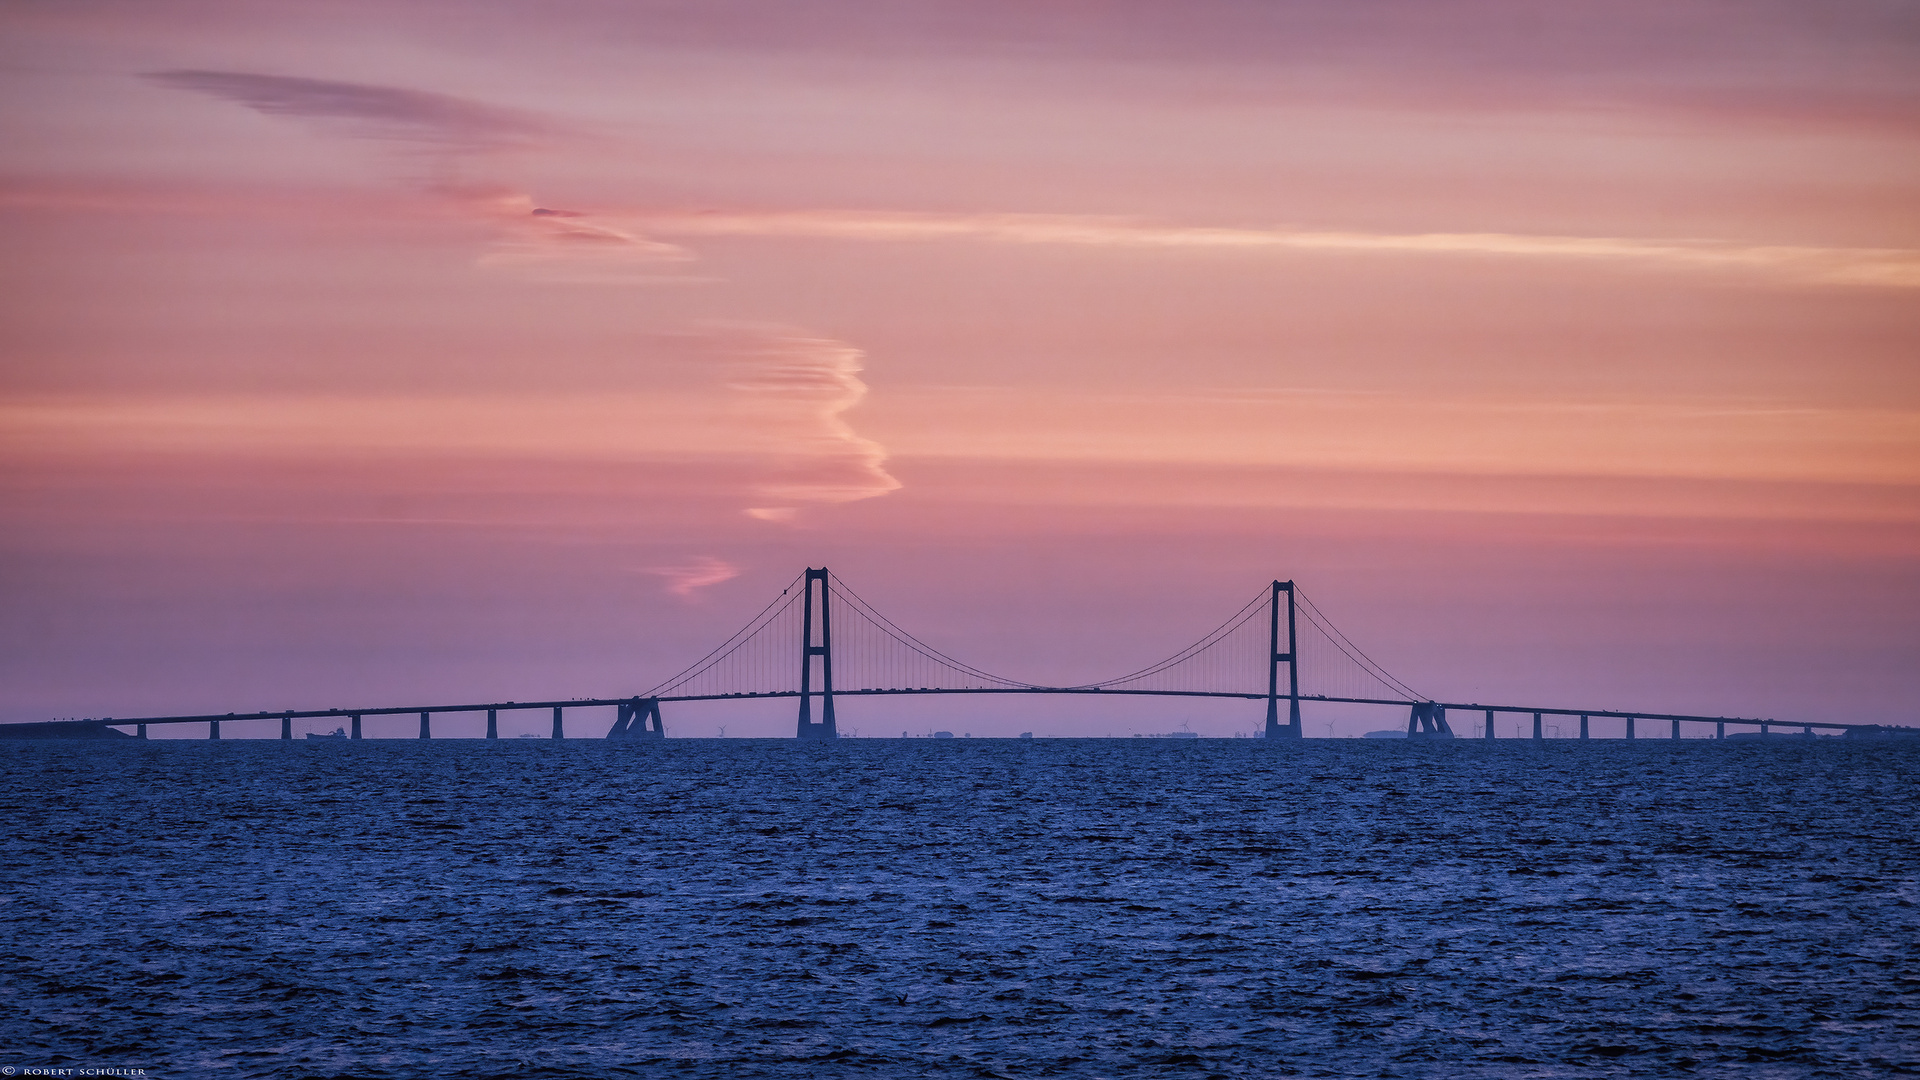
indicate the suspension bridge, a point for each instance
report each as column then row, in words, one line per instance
column 819, row 641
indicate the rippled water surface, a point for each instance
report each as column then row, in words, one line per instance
column 959, row 909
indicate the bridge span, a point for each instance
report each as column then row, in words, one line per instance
column 789, row 651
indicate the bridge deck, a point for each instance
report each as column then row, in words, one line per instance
column 587, row 703
column 798, row 623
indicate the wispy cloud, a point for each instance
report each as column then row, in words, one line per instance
column 559, row 244
column 547, row 242
column 759, row 415
column 687, row 578
column 1413, row 432
column 611, row 246
column 824, row 461
column 1885, row 267
column 367, row 111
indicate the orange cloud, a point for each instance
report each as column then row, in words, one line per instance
column 686, row 579
column 771, row 405
column 1885, row 267
column 1382, row 432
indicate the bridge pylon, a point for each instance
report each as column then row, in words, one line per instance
column 636, row 719
column 1275, row 729
column 824, row 728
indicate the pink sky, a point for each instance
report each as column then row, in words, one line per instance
column 371, row 354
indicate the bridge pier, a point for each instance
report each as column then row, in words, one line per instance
column 559, row 732
column 1537, row 737
column 1427, row 720
column 286, row 727
column 141, row 733
column 1489, row 735
column 1676, row 730
column 639, row 719
column 1720, row 730
column 493, row 724
column 1583, row 725
column 213, row 729
column 426, row 725
column 356, row 726
column 1629, row 727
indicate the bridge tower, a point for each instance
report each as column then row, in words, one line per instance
column 809, row 729
column 1275, row 729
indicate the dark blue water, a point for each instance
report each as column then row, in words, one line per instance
column 1118, row 908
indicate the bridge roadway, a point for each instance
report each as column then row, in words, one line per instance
column 286, row 716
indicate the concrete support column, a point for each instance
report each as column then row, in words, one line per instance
column 1629, row 727
column 1807, row 731
column 213, row 729
column 356, row 725
column 493, row 724
column 286, row 727
column 426, row 725
column 1676, row 730
column 558, row 731
column 1537, row 736
column 1763, row 727
column 1720, row 729
column 142, row 731
column 1583, row 725
column 1489, row 734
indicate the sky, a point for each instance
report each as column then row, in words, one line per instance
column 369, row 354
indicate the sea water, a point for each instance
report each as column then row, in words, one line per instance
column 965, row 908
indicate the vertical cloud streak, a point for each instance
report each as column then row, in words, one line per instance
column 826, row 462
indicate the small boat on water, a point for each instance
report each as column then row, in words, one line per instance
column 337, row 733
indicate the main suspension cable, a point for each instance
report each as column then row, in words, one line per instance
column 1219, row 633
column 888, row 627
column 726, row 648
column 1352, row 651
